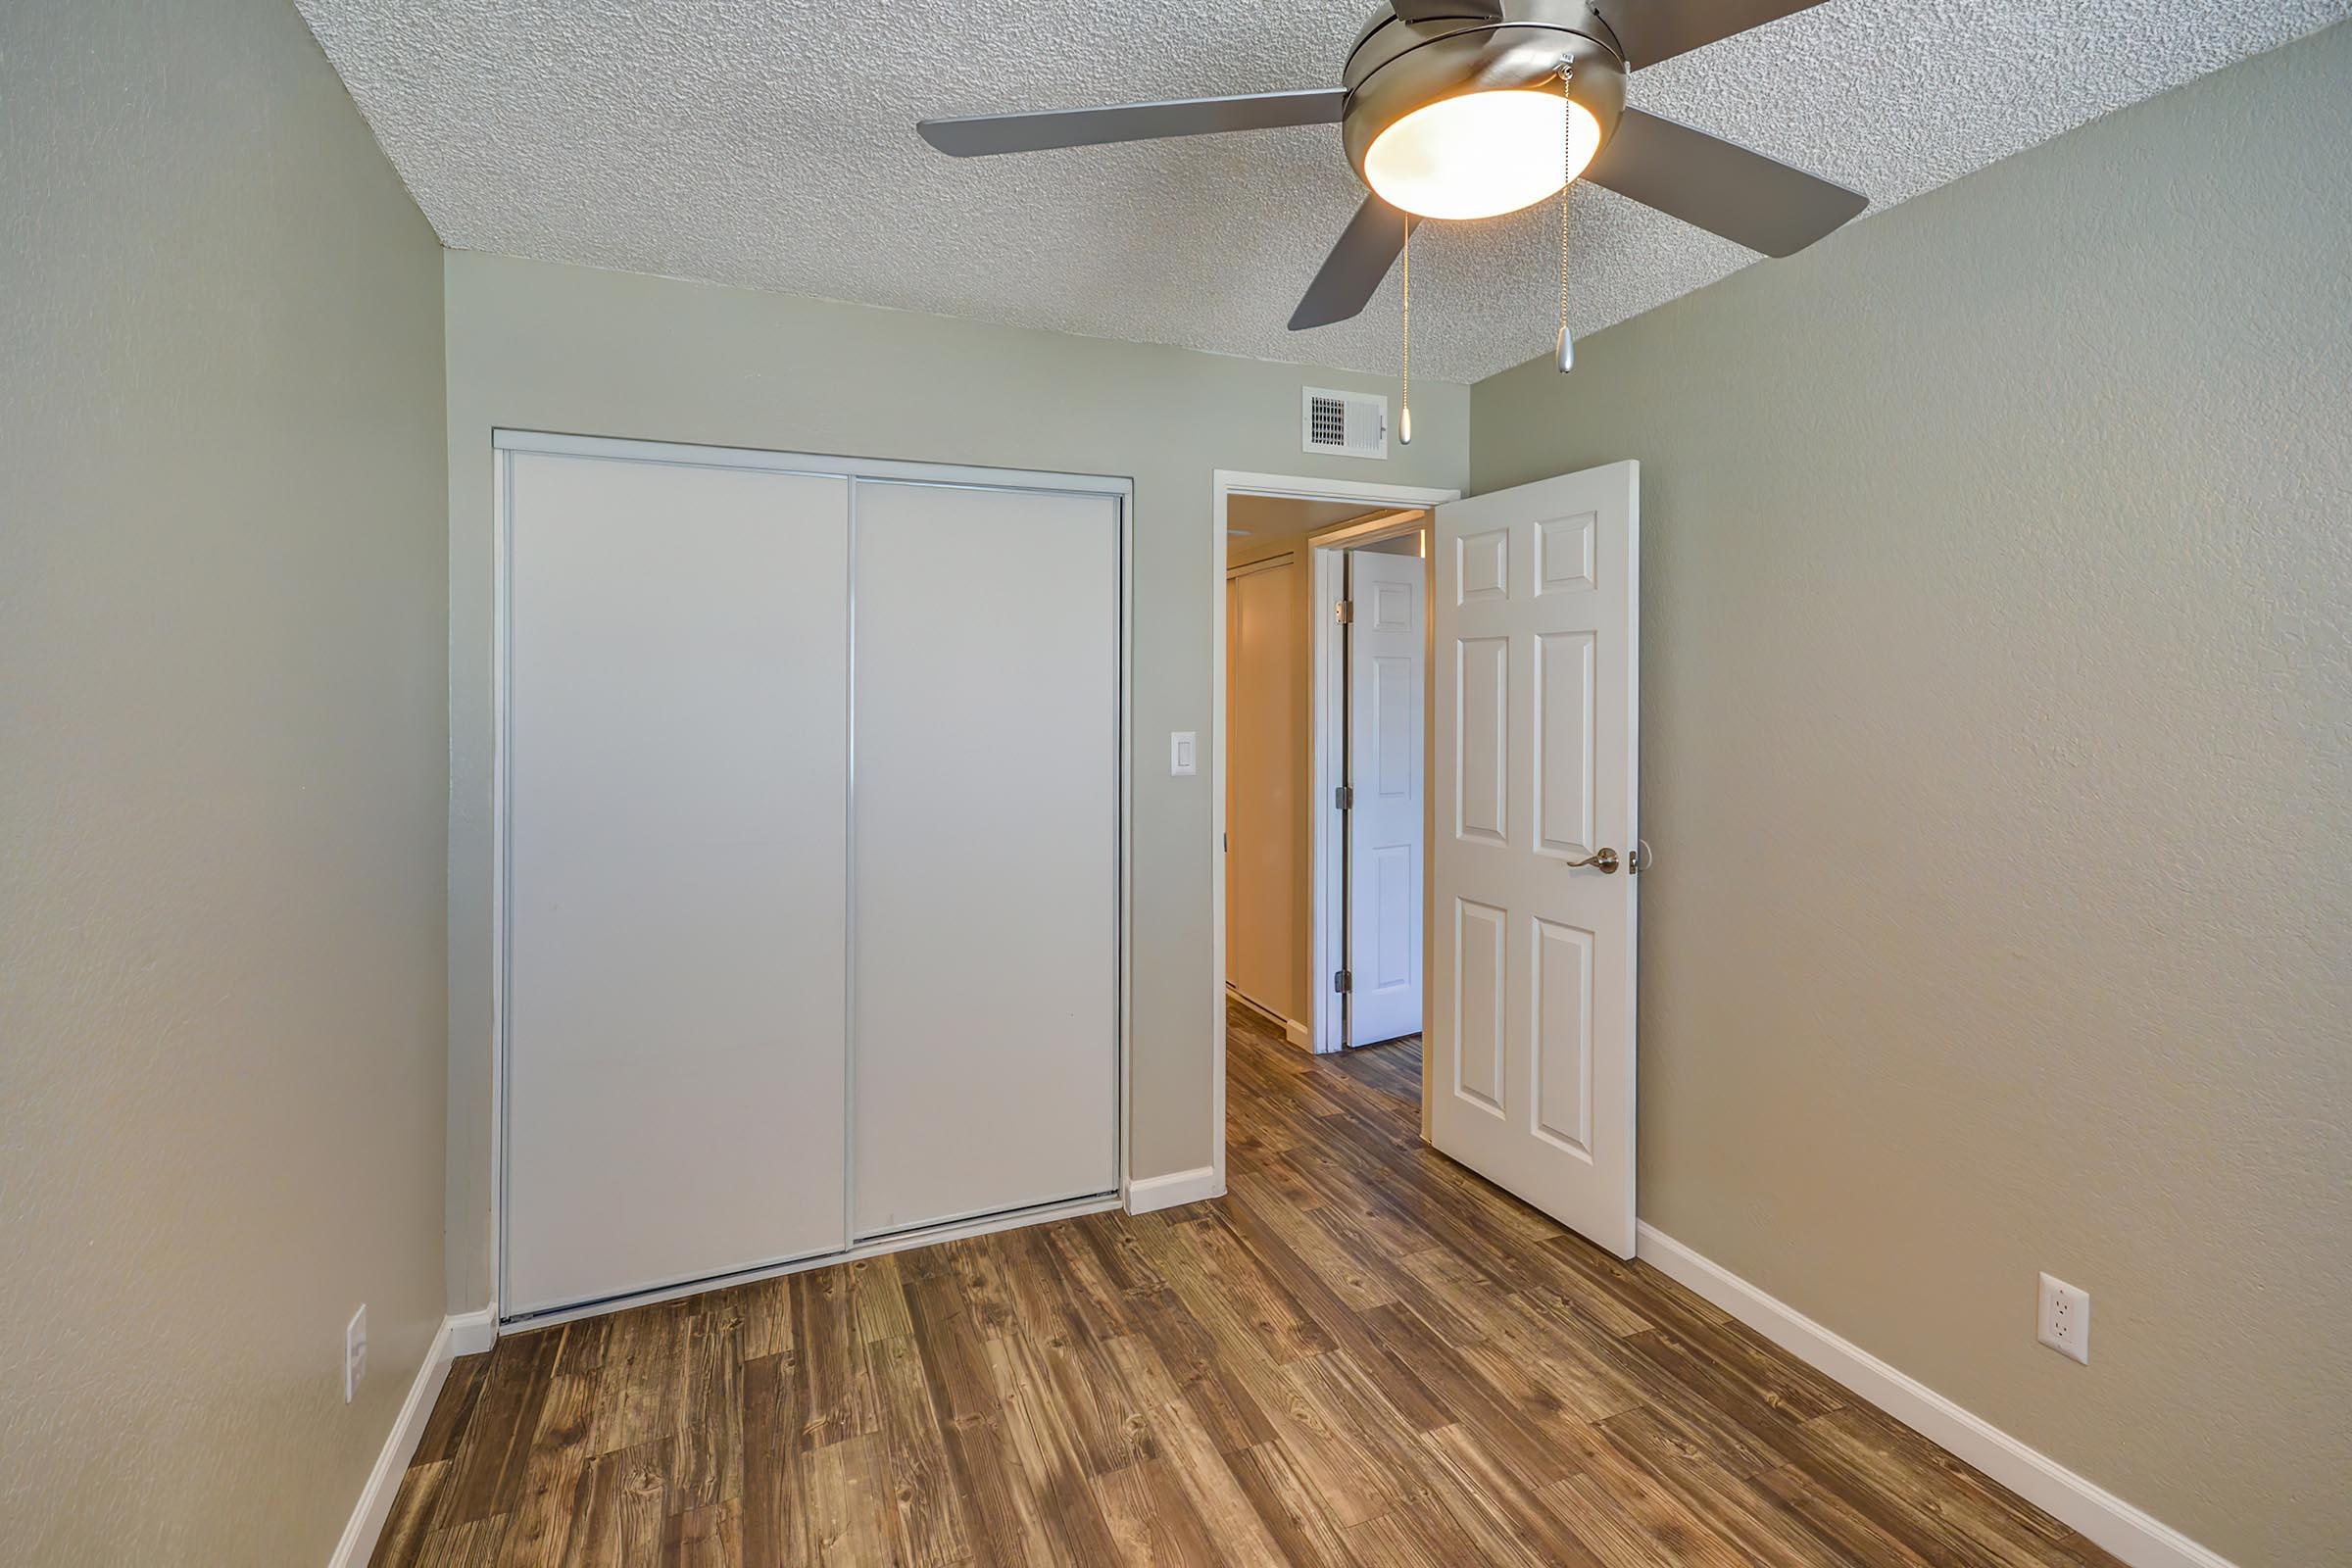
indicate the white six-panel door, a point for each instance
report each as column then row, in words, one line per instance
column 1530, row 1059
column 1385, row 654
column 677, row 765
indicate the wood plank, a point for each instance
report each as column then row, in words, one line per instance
column 705, row 1538
column 620, row 1508
column 452, row 1411
column 1151, row 1522
column 847, row 1495
column 927, row 1521
column 829, row 1390
column 642, row 1378
column 708, row 1469
column 496, row 1449
column 415, row 1508
column 775, row 1528
column 1291, row 1508
column 558, row 1452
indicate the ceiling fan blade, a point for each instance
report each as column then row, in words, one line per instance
column 1651, row 30
column 980, row 136
column 1720, row 185
column 1350, row 274
column 1446, row 10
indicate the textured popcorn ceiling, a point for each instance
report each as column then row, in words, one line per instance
column 770, row 143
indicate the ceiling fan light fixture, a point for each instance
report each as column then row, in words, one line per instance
column 1480, row 154
column 1455, row 109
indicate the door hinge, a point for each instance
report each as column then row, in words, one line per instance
column 1343, row 982
column 1344, row 798
column 1344, row 611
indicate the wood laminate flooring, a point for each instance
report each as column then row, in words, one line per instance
column 1362, row 1355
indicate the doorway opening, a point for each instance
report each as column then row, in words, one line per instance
column 1322, row 750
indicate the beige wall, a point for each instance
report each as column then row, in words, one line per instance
column 1998, row 577
column 559, row 348
column 223, row 786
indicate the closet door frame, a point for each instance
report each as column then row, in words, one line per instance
column 1120, row 491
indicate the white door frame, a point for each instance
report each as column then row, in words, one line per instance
column 965, row 477
column 1327, row 741
column 1226, row 483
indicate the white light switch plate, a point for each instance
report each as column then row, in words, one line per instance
column 2064, row 1324
column 1184, row 753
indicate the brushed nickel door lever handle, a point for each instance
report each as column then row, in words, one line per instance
column 1604, row 859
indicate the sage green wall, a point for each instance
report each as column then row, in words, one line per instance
column 1997, row 690
column 223, row 785
column 535, row 346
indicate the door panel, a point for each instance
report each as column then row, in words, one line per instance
column 1564, row 751
column 1484, row 568
column 1562, row 1098
column 1479, row 1004
column 1387, row 648
column 1565, row 553
column 985, row 845
column 1481, row 730
column 676, row 763
column 1531, row 1040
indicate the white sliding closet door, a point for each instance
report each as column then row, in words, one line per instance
column 677, row 776
column 985, row 999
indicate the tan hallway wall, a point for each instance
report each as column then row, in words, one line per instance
column 1270, row 904
column 1997, row 754
column 223, row 780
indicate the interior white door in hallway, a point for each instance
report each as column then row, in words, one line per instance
column 1531, row 1052
column 1386, row 650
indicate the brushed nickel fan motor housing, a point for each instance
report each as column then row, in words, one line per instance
column 1398, row 66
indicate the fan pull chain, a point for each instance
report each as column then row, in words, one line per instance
column 1405, row 414
column 1564, row 350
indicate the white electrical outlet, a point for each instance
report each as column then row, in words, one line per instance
column 2065, row 1321
column 355, row 1353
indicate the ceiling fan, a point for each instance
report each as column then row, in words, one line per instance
column 1460, row 108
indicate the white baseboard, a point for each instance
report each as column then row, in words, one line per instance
column 1177, row 1186
column 473, row 1333
column 2133, row 1534
column 462, row 1334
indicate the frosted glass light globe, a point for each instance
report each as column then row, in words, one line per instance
column 1482, row 153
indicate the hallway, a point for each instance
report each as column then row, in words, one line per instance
column 1362, row 1355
